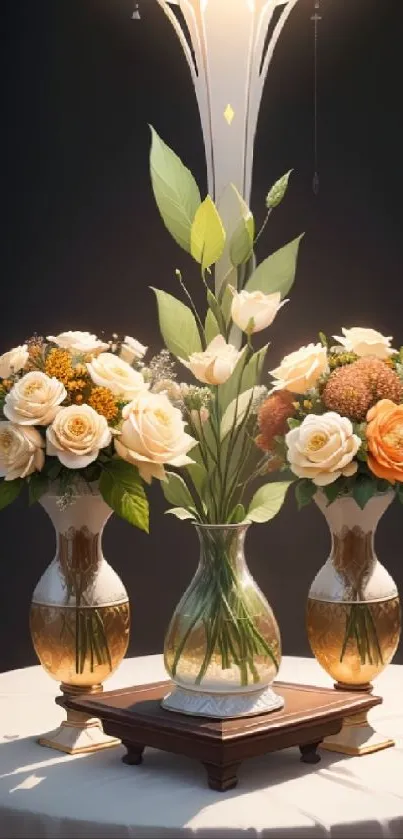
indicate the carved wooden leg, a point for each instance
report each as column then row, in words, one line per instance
column 309, row 753
column 134, row 754
column 222, row 778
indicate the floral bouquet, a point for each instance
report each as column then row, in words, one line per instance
column 221, row 411
column 335, row 418
column 75, row 407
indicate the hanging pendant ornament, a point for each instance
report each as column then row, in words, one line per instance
column 136, row 14
column 316, row 17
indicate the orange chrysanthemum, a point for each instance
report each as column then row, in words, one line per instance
column 385, row 440
column 59, row 365
column 272, row 418
column 351, row 391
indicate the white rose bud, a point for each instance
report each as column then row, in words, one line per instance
column 21, row 451
column 216, row 364
column 153, row 436
column 79, row 342
column 364, row 342
column 77, row 435
column 322, row 448
column 34, row 400
column 300, row 370
column 107, row 370
column 131, row 350
column 13, row 361
column 253, row 311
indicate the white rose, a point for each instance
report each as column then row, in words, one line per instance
column 21, row 451
column 76, row 436
column 216, row 364
column 79, row 342
column 253, row 311
column 34, row 400
column 153, row 435
column 131, row 350
column 108, row 370
column 13, row 361
column 365, row 342
column 322, row 448
column 299, row 371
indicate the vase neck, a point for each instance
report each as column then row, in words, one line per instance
column 219, row 542
column 352, row 530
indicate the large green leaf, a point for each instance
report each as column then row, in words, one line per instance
column 121, row 487
column 176, row 491
column 178, row 325
column 180, row 513
column 277, row 272
column 38, row 485
column 207, row 237
column 236, row 412
column 9, row 491
column 267, row 501
column 175, row 190
column 241, row 244
column 211, row 328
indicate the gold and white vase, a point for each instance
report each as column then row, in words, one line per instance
column 80, row 616
column 223, row 647
column 353, row 612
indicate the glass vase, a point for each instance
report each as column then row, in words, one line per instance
column 80, row 616
column 353, row 610
column 223, row 648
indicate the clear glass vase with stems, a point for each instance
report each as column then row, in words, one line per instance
column 223, row 647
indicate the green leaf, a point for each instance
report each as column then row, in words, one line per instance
column 228, row 391
column 292, row 422
column 207, row 237
column 363, row 489
column 38, row 485
column 278, row 191
column 176, row 491
column 267, row 501
column 241, row 244
column 235, row 413
column 175, row 190
column 180, row 513
column 237, row 515
column 178, row 325
column 277, row 272
column 211, row 328
column 332, row 491
column 52, row 468
column 215, row 308
column 304, row 492
column 121, row 487
column 198, row 475
column 9, row 491
column 254, row 367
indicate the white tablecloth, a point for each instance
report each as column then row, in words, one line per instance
column 46, row 794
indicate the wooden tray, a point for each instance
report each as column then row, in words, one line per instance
column 135, row 716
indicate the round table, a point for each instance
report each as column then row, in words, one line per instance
column 44, row 793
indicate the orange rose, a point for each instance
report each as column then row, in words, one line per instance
column 385, row 440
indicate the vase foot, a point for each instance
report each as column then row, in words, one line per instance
column 222, row 705
column 357, row 737
column 79, row 734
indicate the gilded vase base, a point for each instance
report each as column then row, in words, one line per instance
column 79, row 734
column 357, row 737
column 222, row 706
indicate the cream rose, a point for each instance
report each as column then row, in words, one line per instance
column 79, row 342
column 253, row 311
column 76, row 436
column 13, row 361
column 131, row 350
column 299, row 371
column 108, row 370
column 365, row 342
column 322, row 448
column 21, row 451
column 153, row 436
column 34, row 400
column 216, row 364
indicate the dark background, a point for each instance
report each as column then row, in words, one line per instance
column 82, row 242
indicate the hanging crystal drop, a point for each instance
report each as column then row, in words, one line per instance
column 136, row 14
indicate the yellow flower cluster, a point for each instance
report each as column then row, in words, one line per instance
column 103, row 402
column 58, row 365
